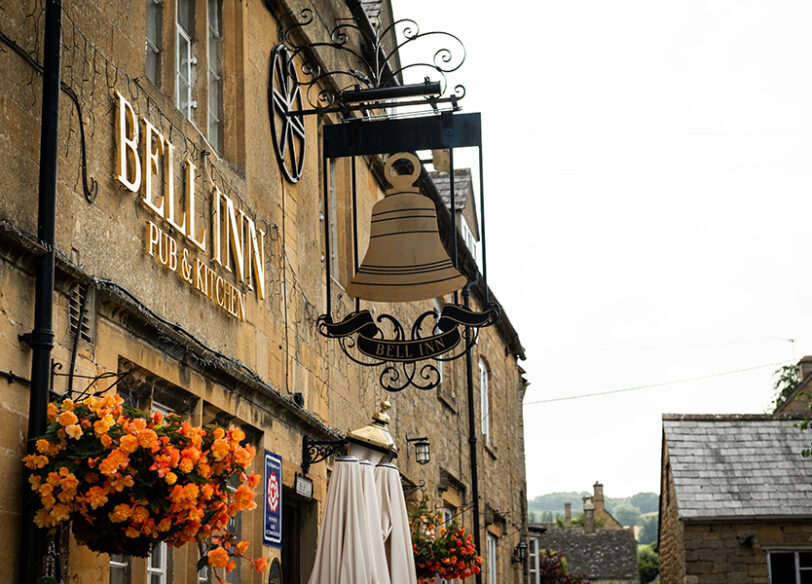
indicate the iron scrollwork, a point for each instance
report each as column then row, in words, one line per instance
column 314, row 451
column 284, row 103
column 373, row 57
column 408, row 360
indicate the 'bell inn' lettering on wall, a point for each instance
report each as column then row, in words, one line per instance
column 230, row 243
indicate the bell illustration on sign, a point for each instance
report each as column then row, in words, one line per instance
column 405, row 259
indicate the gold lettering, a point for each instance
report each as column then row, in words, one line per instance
column 379, row 349
column 153, row 238
column 233, row 239
column 199, row 242
column 127, row 145
column 215, row 201
column 173, row 253
column 169, row 188
column 163, row 249
column 241, row 298
column 389, row 352
column 256, row 258
column 220, row 291
column 200, row 275
column 153, row 147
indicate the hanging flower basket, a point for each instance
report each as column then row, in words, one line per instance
column 126, row 481
column 441, row 551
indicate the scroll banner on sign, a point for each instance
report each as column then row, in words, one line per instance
column 272, row 530
column 372, row 343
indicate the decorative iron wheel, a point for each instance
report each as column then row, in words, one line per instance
column 285, row 106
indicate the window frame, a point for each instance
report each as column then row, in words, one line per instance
column 214, row 75
column 153, row 46
column 124, row 565
column 185, row 37
column 162, row 571
column 796, row 561
column 493, row 543
column 533, row 561
column 484, row 400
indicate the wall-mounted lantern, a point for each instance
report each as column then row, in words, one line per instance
column 519, row 553
column 422, row 449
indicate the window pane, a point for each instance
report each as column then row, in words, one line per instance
column 185, row 14
column 117, row 575
column 805, row 559
column 806, row 577
column 156, row 557
column 782, row 567
column 214, row 16
column 154, row 23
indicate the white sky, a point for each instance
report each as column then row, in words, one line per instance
column 648, row 176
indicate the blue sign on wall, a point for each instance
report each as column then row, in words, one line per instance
column 272, row 532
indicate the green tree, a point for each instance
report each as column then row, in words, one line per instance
column 789, row 378
column 626, row 513
column 646, row 502
column 547, row 517
column 648, row 563
column 648, row 528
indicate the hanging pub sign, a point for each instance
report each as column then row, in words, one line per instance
column 272, row 525
column 406, row 261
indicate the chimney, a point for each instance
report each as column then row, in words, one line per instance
column 567, row 513
column 805, row 366
column 598, row 499
column 589, row 515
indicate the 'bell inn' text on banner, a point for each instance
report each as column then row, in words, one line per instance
column 199, row 254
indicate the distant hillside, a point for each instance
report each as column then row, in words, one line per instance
column 554, row 503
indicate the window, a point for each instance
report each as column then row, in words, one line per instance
column 119, row 569
column 438, row 307
column 468, row 237
column 184, row 60
column 790, row 567
column 491, row 559
column 484, row 400
column 153, row 41
column 447, row 513
column 158, row 565
column 215, row 46
column 533, row 561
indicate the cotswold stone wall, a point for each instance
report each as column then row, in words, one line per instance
column 737, row 552
column 227, row 347
column 671, row 544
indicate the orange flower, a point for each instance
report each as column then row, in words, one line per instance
column 261, row 564
column 43, row 446
column 186, row 465
column 52, row 412
column 140, row 514
column 219, row 448
column 74, row 430
column 106, row 440
column 171, row 478
column 218, row 433
column 237, row 435
column 147, row 438
column 230, row 566
column 120, row 513
column 218, row 557
column 67, row 405
column 242, row 546
column 68, row 418
column 128, row 443
column 102, row 426
column 96, row 497
column 138, row 425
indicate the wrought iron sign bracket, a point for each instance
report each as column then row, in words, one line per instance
column 314, row 451
column 368, row 76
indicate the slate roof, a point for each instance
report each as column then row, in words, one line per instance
column 603, row 554
column 463, row 187
column 738, row 466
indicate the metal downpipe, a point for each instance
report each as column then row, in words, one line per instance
column 42, row 337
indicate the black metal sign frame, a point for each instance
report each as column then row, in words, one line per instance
column 407, row 358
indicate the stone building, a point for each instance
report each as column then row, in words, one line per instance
column 735, row 500
column 599, row 549
column 188, row 264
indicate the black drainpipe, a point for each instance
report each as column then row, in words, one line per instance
column 472, row 433
column 42, row 337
